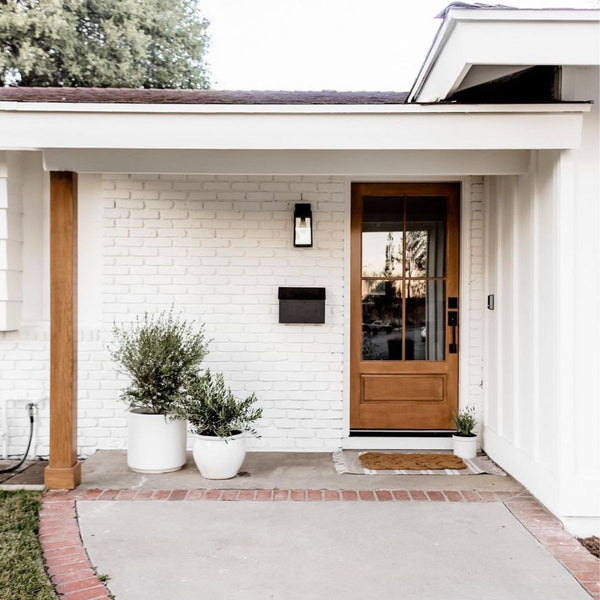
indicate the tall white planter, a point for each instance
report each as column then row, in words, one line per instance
column 217, row 458
column 465, row 447
column 155, row 443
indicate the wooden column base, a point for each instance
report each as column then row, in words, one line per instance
column 62, row 478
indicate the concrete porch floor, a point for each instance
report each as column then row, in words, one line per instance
column 107, row 469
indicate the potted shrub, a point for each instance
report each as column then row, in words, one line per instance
column 219, row 423
column 160, row 355
column 464, row 440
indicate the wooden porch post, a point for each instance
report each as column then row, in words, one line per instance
column 63, row 470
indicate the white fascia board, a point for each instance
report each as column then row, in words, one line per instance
column 525, row 14
column 448, row 127
column 282, row 109
column 353, row 163
column 504, row 37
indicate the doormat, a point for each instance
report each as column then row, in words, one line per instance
column 399, row 461
column 349, row 462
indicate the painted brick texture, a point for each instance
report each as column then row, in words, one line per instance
column 476, row 294
column 217, row 249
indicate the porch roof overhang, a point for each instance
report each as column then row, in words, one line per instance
column 223, row 138
column 502, row 40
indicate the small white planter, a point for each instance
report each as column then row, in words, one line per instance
column 465, row 447
column 217, row 458
column 155, row 444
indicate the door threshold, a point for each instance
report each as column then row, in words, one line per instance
column 414, row 442
column 401, row 432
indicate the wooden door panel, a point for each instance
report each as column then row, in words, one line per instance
column 428, row 416
column 403, row 388
column 404, row 368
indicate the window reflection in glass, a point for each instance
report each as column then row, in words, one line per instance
column 382, row 253
column 382, row 237
column 425, row 237
column 425, row 326
column 404, row 240
column 382, row 319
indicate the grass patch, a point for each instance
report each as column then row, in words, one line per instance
column 22, row 573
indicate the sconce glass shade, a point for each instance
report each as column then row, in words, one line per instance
column 302, row 225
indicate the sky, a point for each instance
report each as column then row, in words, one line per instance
column 327, row 44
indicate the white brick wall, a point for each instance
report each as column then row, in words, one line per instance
column 476, row 295
column 217, row 248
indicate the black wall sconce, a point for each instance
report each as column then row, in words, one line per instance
column 303, row 233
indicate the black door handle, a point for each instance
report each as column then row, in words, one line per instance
column 453, row 322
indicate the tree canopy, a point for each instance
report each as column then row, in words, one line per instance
column 103, row 43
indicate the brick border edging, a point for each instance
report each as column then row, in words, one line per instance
column 74, row 577
column 67, row 563
column 549, row 532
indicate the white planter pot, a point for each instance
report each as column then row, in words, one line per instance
column 217, row 458
column 155, row 444
column 465, row 447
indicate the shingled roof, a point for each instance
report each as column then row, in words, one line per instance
column 144, row 96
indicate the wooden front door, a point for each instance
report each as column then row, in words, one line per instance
column 404, row 306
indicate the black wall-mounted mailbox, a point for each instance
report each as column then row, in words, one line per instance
column 301, row 305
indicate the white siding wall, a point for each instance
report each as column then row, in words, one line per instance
column 542, row 412
column 521, row 341
column 11, row 240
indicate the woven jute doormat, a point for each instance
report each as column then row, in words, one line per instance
column 388, row 461
column 349, row 462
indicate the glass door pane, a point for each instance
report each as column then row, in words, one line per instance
column 382, row 237
column 425, row 326
column 382, row 319
column 425, row 237
column 403, row 277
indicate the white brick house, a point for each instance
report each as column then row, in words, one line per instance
column 187, row 199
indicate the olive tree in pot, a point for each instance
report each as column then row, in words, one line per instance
column 219, row 423
column 464, row 440
column 160, row 354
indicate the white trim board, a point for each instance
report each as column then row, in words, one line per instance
column 353, row 163
column 396, row 443
column 479, row 37
column 501, row 130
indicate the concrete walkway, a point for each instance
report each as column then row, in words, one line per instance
column 107, row 469
column 323, row 551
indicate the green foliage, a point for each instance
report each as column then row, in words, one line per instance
column 22, row 574
column 211, row 408
column 464, row 421
column 161, row 355
column 103, row 43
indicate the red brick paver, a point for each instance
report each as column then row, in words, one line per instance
column 547, row 529
column 67, row 562
column 74, row 577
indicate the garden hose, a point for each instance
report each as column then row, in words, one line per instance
column 29, row 407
